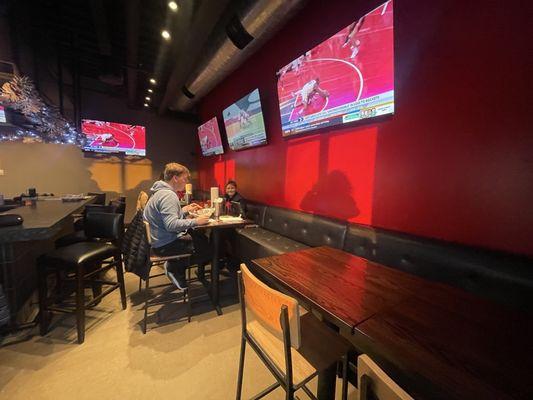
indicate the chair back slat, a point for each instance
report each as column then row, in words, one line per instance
column 373, row 380
column 266, row 303
column 147, row 229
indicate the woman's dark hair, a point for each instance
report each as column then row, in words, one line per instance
column 232, row 183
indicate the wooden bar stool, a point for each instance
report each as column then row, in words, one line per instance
column 291, row 346
column 84, row 263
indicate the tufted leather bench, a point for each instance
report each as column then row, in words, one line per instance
column 281, row 231
column 502, row 277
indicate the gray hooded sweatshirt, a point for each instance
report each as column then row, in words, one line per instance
column 163, row 213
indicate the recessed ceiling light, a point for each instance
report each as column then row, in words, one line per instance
column 173, row 6
column 165, row 34
column 153, row 81
column 146, row 105
column 147, row 98
column 150, row 91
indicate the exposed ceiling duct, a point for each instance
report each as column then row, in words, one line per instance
column 242, row 36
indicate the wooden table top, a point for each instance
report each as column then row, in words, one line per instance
column 347, row 288
column 437, row 341
column 39, row 219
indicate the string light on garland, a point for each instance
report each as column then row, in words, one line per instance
column 46, row 124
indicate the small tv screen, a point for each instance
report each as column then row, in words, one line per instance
column 244, row 122
column 209, row 136
column 112, row 137
column 346, row 78
column 2, row 115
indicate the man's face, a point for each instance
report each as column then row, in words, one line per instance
column 180, row 181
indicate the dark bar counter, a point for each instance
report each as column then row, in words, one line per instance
column 44, row 222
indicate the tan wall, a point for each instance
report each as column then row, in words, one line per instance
column 60, row 169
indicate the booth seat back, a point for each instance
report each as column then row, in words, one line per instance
column 255, row 212
column 306, row 228
column 361, row 241
column 504, row 278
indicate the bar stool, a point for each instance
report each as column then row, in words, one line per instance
column 79, row 234
column 83, row 263
column 155, row 261
column 294, row 348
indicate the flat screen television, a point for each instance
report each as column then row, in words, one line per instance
column 112, row 137
column 210, row 140
column 3, row 119
column 346, row 78
column 244, row 122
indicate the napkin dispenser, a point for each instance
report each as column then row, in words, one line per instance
column 188, row 193
column 214, row 195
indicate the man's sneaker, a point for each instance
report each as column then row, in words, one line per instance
column 177, row 279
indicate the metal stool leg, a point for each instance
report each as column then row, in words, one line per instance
column 120, row 279
column 80, row 303
column 241, row 369
column 146, row 299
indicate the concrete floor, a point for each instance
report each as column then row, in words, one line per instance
column 197, row 360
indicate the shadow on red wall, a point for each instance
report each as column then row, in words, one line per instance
column 331, row 195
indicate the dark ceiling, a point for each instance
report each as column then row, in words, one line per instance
column 116, row 45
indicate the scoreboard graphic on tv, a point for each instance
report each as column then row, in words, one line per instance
column 346, row 78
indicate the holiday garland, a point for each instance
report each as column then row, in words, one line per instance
column 45, row 123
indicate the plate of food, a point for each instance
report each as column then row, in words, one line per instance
column 203, row 212
column 230, row 218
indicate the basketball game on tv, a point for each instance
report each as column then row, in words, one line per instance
column 112, row 137
column 244, row 122
column 209, row 136
column 346, row 78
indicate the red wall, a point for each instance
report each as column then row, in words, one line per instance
column 454, row 162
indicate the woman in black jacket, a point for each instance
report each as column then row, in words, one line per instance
column 229, row 237
column 233, row 196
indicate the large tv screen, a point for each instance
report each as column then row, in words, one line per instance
column 112, row 137
column 346, row 78
column 2, row 115
column 209, row 136
column 244, row 122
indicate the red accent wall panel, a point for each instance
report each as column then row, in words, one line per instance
column 454, row 162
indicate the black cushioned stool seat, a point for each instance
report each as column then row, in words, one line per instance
column 82, row 253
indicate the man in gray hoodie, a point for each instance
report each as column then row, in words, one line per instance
column 169, row 223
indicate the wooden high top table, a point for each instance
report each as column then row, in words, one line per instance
column 216, row 226
column 436, row 341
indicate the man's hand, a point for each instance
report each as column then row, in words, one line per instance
column 201, row 220
column 191, row 207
